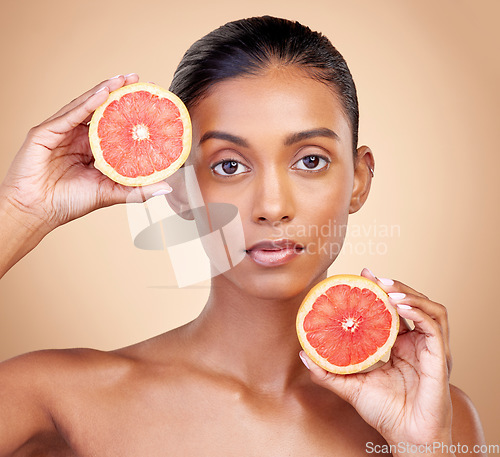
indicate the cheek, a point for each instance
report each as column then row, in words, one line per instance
column 326, row 198
column 209, row 189
column 322, row 218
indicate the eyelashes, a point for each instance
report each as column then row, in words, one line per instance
column 231, row 167
column 227, row 165
column 312, row 162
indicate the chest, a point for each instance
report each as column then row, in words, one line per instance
column 207, row 424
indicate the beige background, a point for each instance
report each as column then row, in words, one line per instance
column 427, row 74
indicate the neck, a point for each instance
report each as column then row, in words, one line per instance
column 252, row 340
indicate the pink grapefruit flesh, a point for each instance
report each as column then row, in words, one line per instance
column 140, row 135
column 346, row 324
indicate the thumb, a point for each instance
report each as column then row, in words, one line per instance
column 346, row 386
column 126, row 194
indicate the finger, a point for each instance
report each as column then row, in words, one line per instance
column 112, row 84
column 433, row 355
column 434, row 310
column 51, row 134
column 390, row 285
column 112, row 193
column 129, row 80
column 68, row 121
column 346, row 387
column 144, row 193
column 404, row 326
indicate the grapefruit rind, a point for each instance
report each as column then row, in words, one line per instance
column 104, row 167
column 352, row 281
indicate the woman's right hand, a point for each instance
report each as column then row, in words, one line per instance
column 52, row 179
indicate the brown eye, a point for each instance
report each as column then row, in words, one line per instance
column 312, row 162
column 228, row 168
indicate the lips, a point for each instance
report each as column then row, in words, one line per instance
column 271, row 253
column 275, row 245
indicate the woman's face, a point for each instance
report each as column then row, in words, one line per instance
column 279, row 148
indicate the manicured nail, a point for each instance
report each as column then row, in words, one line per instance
column 161, row 192
column 130, row 74
column 397, row 295
column 303, row 360
column 101, row 89
column 386, row 281
column 371, row 272
column 403, row 306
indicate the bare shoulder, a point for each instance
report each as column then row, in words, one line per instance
column 72, row 371
column 51, row 364
column 45, row 374
column 56, row 399
column 32, row 389
column 466, row 426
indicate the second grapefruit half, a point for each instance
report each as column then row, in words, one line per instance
column 140, row 135
column 346, row 324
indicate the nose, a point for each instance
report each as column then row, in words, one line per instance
column 273, row 198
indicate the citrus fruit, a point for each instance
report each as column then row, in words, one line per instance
column 140, row 135
column 346, row 324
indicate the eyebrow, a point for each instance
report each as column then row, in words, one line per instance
column 291, row 139
column 306, row 134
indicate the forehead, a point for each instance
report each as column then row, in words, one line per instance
column 270, row 106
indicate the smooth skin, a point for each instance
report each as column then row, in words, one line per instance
column 230, row 382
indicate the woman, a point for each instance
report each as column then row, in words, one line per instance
column 275, row 120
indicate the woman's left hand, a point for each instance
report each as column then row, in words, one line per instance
column 407, row 400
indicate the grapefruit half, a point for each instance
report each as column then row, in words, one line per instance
column 346, row 324
column 140, row 135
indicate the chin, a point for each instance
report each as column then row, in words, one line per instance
column 280, row 283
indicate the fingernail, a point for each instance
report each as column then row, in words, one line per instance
column 371, row 272
column 161, row 192
column 101, row 89
column 403, row 306
column 130, row 74
column 397, row 295
column 117, row 76
column 303, row 360
column 386, row 281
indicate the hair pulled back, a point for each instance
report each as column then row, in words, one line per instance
column 250, row 46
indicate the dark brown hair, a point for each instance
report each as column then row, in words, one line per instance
column 250, row 46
